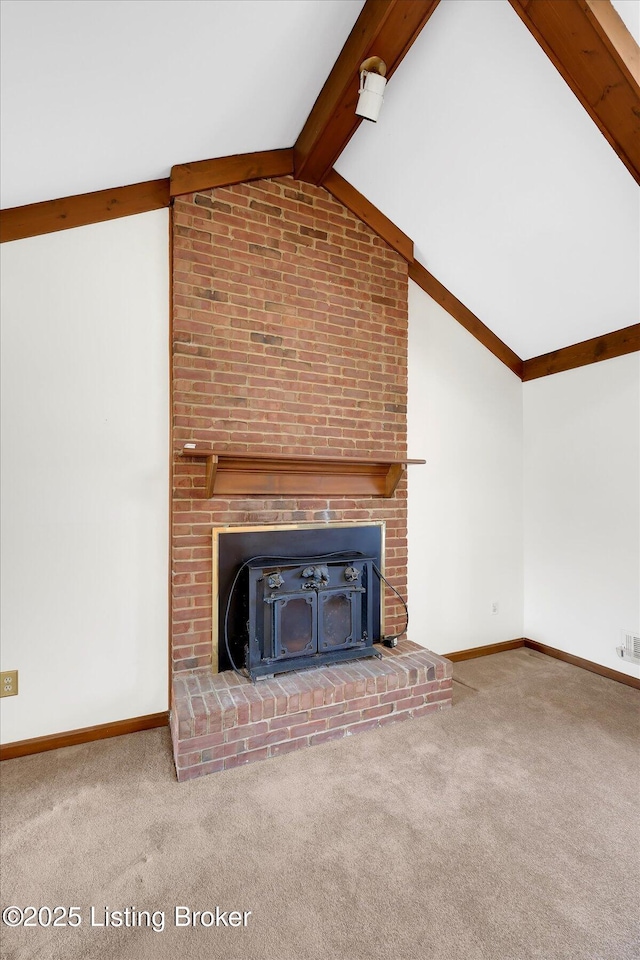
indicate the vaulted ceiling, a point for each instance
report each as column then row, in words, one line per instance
column 483, row 155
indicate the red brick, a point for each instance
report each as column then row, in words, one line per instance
column 242, row 705
column 328, row 735
column 184, row 729
column 386, row 681
column 427, row 708
column 224, row 750
column 200, row 770
column 242, row 758
column 332, row 710
column 344, row 719
column 423, row 688
column 201, row 743
column 362, row 726
column 288, row 720
column 288, row 746
column 306, row 729
column 395, row 695
column 246, row 730
column 188, row 759
column 362, row 703
column 265, row 739
column 395, row 717
column 439, row 695
column 409, row 703
column 380, row 711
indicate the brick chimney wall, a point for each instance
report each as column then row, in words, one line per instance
column 289, row 337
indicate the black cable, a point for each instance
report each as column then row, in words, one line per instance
column 392, row 641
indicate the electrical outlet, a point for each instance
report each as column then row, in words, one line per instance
column 494, row 607
column 9, row 683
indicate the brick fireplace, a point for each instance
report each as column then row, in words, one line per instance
column 289, row 338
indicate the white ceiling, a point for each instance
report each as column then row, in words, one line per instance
column 101, row 93
column 514, row 199
column 482, row 155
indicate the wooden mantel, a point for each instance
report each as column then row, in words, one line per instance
column 276, row 475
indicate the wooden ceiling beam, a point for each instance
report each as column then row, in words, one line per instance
column 49, row 216
column 386, row 29
column 618, row 343
column 225, row 171
column 353, row 200
column 465, row 317
column 592, row 49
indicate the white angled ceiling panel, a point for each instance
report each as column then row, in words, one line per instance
column 513, row 197
column 100, row 93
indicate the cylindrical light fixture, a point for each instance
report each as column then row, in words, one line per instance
column 372, row 84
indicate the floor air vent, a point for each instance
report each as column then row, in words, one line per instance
column 630, row 649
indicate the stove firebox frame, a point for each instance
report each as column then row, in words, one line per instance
column 361, row 545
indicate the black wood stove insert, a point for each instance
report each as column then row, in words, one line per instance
column 306, row 614
column 313, row 598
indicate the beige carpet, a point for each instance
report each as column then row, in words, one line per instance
column 504, row 829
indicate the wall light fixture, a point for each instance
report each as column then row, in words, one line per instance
column 372, row 84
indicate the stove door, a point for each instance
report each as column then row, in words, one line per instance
column 339, row 624
column 294, row 624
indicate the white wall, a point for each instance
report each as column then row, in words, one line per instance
column 85, row 484
column 582, row 509
column 85, row 421
column 465, row 504
column 530, row 496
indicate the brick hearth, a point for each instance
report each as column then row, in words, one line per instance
column 219, row 721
